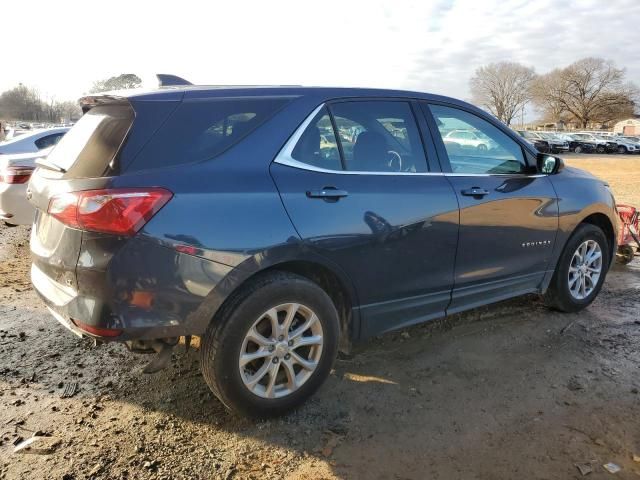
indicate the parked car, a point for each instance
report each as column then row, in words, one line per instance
column 624, row 145
column 537, row 141
column 218, row 212
column 602, row 146
column 556, row 144
column 469, row 139
column 33, row 141
column 15, row 171
column 577, row 146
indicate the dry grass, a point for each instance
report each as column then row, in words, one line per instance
column 621, row 171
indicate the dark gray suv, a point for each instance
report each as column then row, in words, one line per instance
column 281, row 224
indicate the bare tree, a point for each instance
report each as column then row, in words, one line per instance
column 546, row 96
column 121, row 82
column 590, row 90
column 502, row 88
column 22, row 103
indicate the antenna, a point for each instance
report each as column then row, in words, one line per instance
column 168, row 80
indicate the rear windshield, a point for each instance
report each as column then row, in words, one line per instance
column 200, row 130
column 90, row 146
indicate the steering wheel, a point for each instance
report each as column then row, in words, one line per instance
column 395, row 155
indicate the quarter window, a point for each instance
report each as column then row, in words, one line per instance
column 201, row 130
column 483, row 149
column 317, row 146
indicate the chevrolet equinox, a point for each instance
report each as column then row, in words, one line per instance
column 281, row 224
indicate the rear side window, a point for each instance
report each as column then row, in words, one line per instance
column 200, row 130
column 48, row 141
column 91, row 145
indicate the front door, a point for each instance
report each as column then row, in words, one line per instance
column 359, row 190
column 508, row 213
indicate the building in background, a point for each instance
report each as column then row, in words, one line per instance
column 628, row 127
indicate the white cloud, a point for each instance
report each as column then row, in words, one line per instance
column 62, row 47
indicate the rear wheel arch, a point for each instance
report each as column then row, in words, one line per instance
column 336, row 286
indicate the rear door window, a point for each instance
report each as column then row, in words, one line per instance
column 379, row 136
column 200, row 130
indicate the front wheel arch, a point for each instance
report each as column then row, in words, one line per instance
column 601, row 221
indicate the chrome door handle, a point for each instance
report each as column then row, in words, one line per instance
column 475, row 192
column 330, row 193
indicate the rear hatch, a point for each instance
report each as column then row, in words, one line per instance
column 84, row 159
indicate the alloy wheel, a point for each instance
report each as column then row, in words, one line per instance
column 281, row 350
column 585, row 269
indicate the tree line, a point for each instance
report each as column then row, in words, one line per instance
column 27, row 104
column 589, row 91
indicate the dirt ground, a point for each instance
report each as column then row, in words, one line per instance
column 504, row 392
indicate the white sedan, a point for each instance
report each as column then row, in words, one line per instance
column 15, row 171
column 33, row 141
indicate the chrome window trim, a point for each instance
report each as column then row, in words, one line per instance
column 284, row 158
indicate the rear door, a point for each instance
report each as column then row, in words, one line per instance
column 508, row 212
column 360, row 191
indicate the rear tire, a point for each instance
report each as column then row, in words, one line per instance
column 600, row 149
column 560, row 294
column 229, row 342
column 578, row 149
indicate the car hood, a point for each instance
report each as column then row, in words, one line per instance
column 578, row 172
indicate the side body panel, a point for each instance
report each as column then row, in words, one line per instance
column 506, row 233
column 506, row 238
column 394, row 235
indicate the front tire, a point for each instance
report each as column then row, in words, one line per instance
column 580, row 271
column 622, row 150
column 271, row 346
column 578, row 149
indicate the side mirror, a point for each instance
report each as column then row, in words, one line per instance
column 549, row 164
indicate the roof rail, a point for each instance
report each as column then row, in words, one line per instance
column 168, row 80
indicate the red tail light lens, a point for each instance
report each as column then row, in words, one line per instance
column 121, row 211
column 99, row 332
column 16, row 174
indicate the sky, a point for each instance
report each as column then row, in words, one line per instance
column 61, row 47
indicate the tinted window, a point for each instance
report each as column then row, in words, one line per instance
column 90, row 146
column 488, row 151
column 317, row 145
column 200, row 130
column 48, row 141
column 379, row 136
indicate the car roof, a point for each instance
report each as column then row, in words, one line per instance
column 211, row 91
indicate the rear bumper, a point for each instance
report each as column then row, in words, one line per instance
column 145, row 291
column 14, row 206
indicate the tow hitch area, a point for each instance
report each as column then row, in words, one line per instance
column 162, row 347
